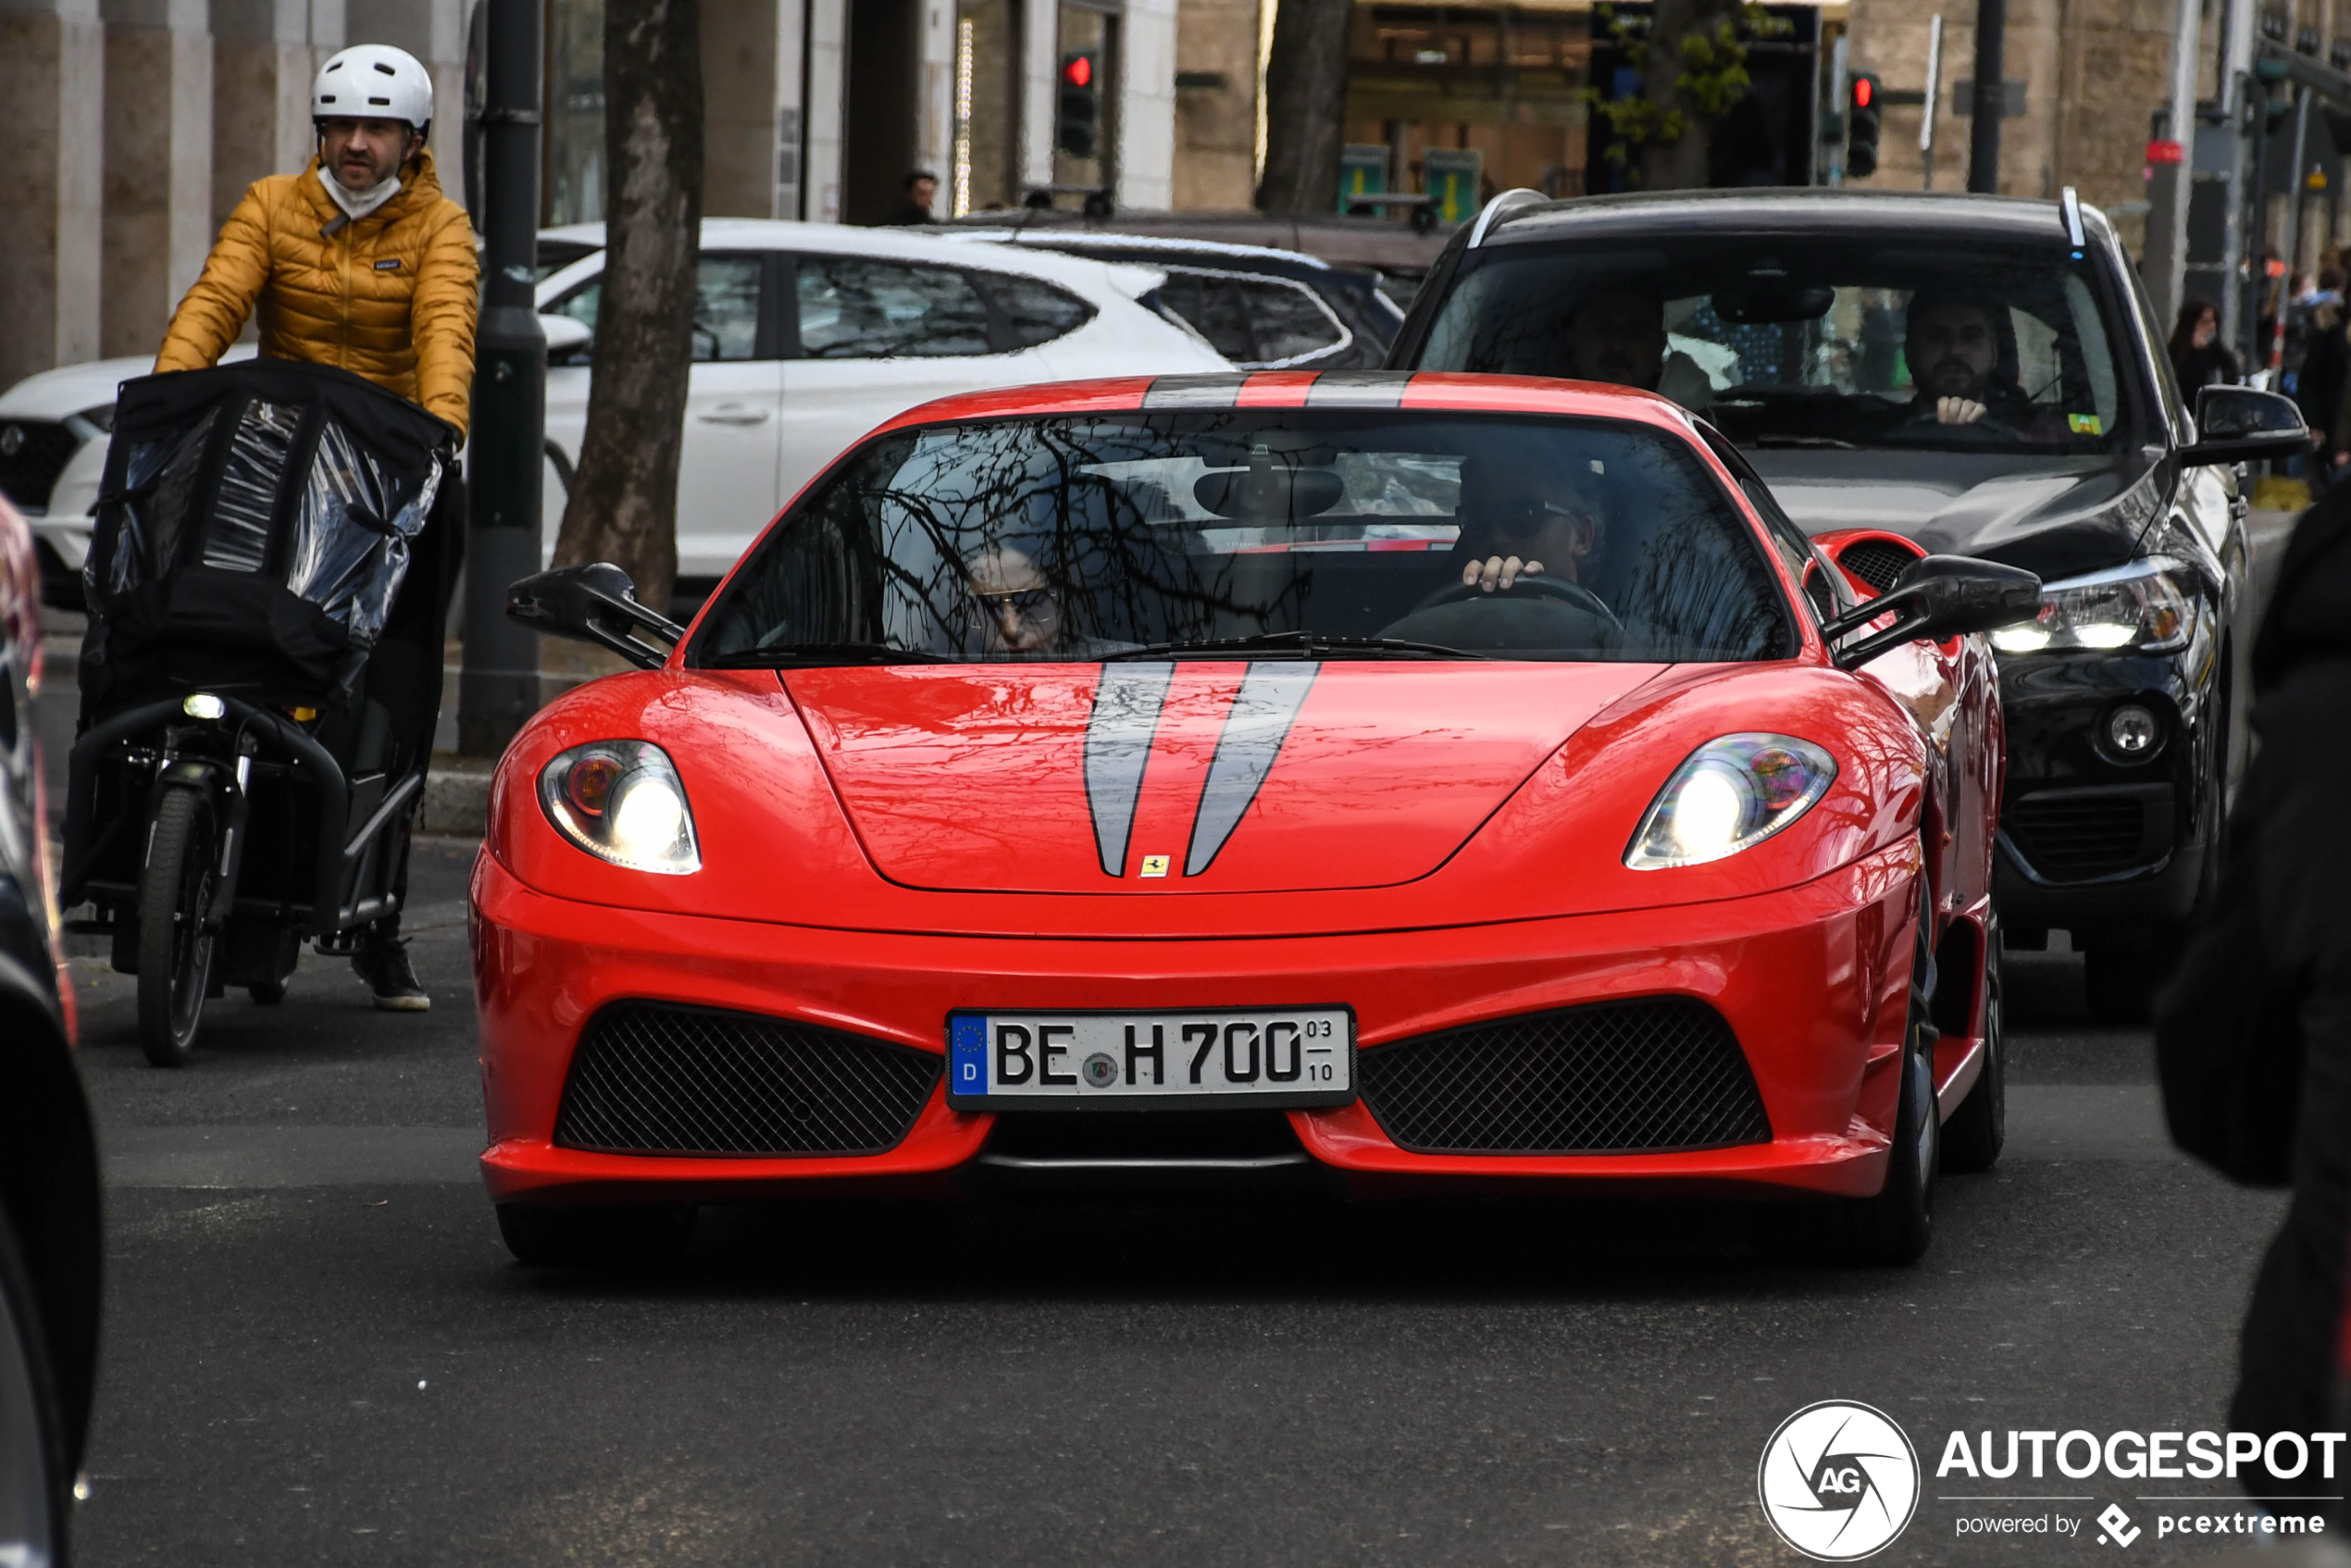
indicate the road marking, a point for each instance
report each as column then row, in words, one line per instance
column 245, row 1156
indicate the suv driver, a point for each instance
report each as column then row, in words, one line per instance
column 360, row 262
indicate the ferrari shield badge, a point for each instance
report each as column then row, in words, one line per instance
column 1155, row 865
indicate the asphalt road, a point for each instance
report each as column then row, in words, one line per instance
column 317, row 1352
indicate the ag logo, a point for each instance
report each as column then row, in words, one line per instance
column 1839, row 1481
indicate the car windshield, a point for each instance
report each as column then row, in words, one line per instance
column 1330, row 533
column 1850, row 343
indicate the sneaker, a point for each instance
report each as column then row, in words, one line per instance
column 383, row 964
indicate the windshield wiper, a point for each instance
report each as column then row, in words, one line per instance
column 805, row 654
column 1304, row 644
column 1782, row 438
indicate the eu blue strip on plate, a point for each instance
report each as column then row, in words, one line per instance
column 967, row 1054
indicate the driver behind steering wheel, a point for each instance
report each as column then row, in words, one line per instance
column 1960, row 346
column 1521, row 521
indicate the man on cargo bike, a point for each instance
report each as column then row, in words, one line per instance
column 276, row 546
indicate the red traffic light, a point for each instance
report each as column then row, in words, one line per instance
column 1080, row 71
column 1864, row 91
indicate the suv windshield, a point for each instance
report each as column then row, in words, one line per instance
column 1851, row 343
column 1325, row 533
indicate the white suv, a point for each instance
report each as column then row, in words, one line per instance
column 806, row 336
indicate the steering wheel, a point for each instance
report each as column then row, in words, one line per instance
column 1542, row 585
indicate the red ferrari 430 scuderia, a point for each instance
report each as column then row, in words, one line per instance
column 1411, row 779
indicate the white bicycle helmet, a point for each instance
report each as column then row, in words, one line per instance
column 373, row 82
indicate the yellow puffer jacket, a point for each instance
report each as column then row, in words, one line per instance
column 391, row 297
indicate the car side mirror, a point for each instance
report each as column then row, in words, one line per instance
column 1935, row 598
column 2240, row 425
column 567, row 335
column 594, row 603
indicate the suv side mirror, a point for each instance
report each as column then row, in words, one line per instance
column 2240, row 425
column 1937, row 597
column 567, row 336
column 594, row 603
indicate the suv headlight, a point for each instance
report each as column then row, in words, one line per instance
column 621, row 801
column 2147, row 605
column 1731, row 794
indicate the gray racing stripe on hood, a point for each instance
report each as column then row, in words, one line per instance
column 1118, row 742
column 1263, row 709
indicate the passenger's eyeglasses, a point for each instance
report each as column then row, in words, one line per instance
column 1030, row 607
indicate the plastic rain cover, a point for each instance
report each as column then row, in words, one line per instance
column 350, row 545
column 160, row 478
column 237, row 536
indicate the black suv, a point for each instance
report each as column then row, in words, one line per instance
column 1985, row 377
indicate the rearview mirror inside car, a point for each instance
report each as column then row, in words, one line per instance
column 1937, row 597
column 2241, row 425
column 597, row 604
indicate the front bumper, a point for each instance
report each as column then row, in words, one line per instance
column 2088, row 841
column 1813, row 981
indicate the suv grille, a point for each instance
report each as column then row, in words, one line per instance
column 1650, row 1075
column 2065, row 833
column 1876, row 561
column 653, row 1078
column 32, row 454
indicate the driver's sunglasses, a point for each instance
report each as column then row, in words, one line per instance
column 1524, row 519
column 1030, row 607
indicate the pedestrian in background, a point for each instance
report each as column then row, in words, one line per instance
column 2318, row 379
column 2198, row 356
column 921, row 189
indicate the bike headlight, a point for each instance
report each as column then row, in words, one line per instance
column 2147, row 605
column 1732, row 793
column 621, row 801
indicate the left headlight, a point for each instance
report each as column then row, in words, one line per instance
column 2147, row 605
column 1731, row 794
column 621, row 801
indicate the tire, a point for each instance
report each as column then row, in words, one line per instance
column 1894, row 1227
column 591, row 1235
column 1972, row 1137
column 175, row 947
column 267, row 994
column 36, row 1487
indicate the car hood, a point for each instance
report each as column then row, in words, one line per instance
column 2057, row 518
column 1190, row 776
column 69, row 389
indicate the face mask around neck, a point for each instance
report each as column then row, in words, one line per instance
column 358, row 203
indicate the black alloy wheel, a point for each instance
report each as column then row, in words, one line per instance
column 36, row 1490
column 175, row 942
column 1973, row 1137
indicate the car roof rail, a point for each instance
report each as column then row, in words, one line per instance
column 2069, row 204
column 1501, row 210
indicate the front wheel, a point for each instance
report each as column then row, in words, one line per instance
column 1896, row 1227
column 35, row 1484
column 175, row 944
column 1972, row 1137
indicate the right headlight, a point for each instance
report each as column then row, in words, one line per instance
column 1730, row 795
column 621, row 801
column 2147, row 605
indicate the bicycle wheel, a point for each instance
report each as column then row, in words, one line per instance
column 175, row 947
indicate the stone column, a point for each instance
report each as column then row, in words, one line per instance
column 1147, row 106
column 739, row 82
column 264, row 53
column 827, row 46
column 159, row 166
column 1041, row 22
column 935, row 93
column 52, row 79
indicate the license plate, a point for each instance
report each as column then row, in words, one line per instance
column 1150, row 1060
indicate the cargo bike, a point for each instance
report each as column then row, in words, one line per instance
column 266, row 583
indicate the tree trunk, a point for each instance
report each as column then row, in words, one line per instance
column 1305, row 108
column 623, row 497
column 1679, row 163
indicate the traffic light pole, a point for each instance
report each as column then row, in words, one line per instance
column 1991, row 97
column 499, row 688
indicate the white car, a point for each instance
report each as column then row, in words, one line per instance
column 806, row 336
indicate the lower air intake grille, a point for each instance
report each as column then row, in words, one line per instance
column 1650, row 1075
column 2067, row 834
column 1876, row 561
column 651, row 1079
